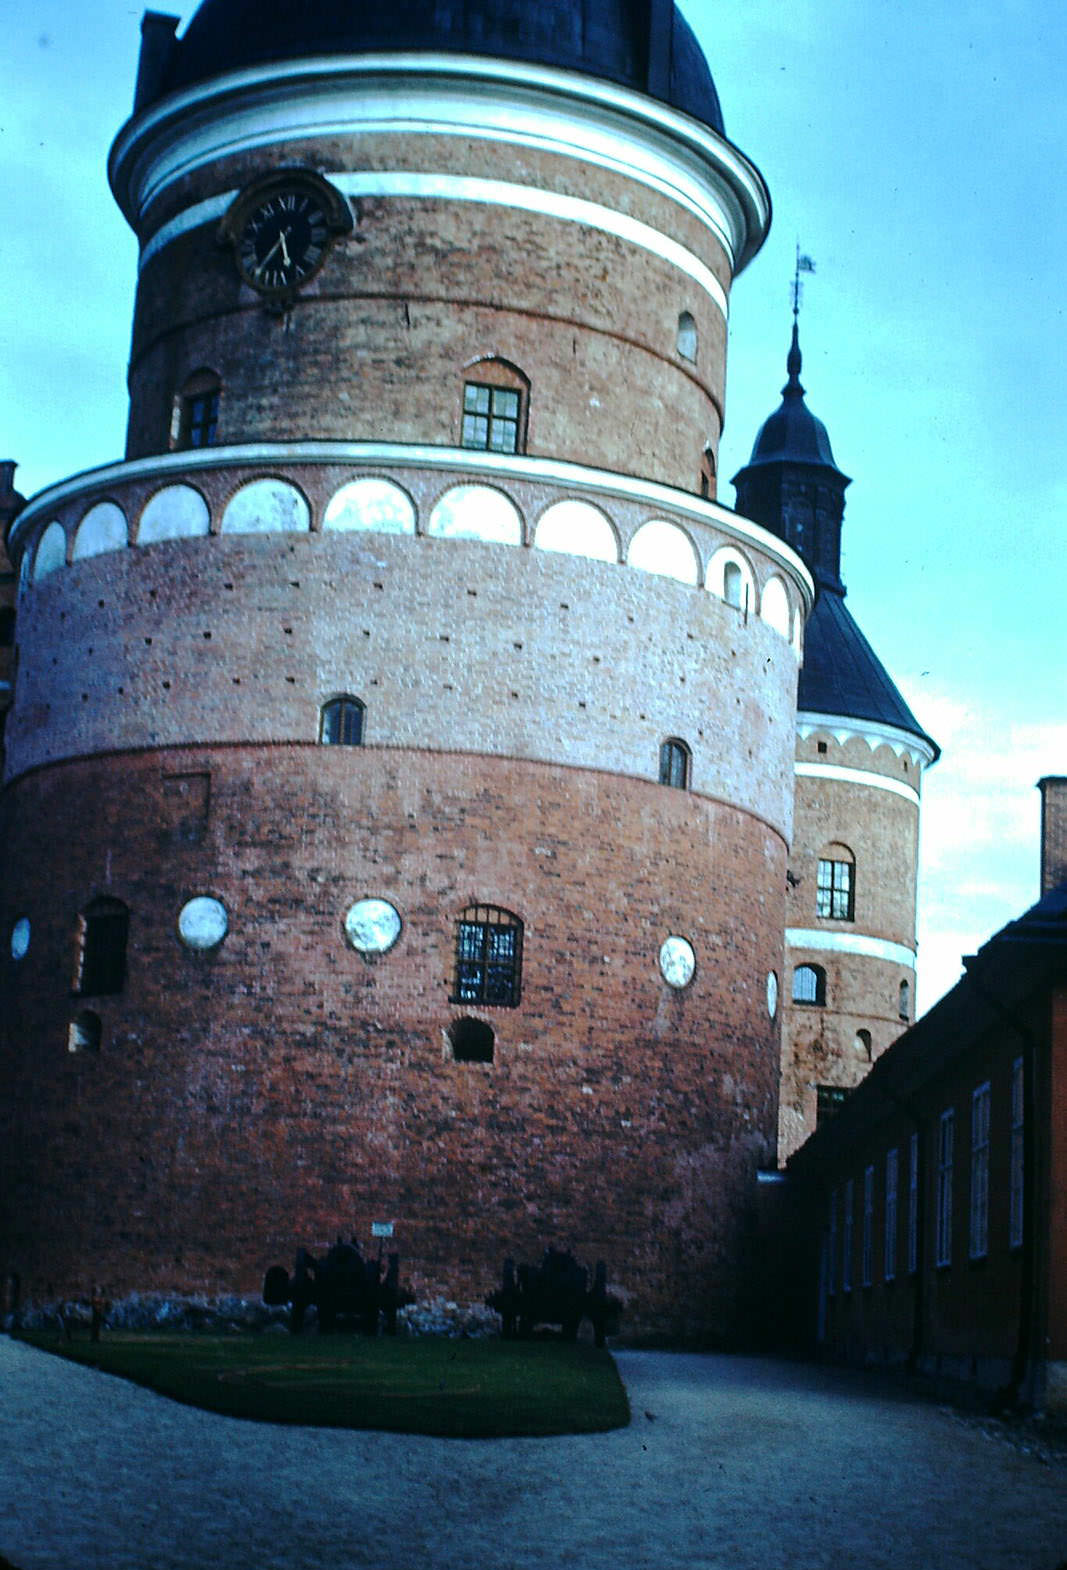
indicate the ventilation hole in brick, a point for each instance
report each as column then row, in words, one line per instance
column 90, row 651
column 518, row 645
column 207, row 635
column 596, row 659
column 148, row 640
column 166, row 686
column 448, row 687
column 121, row 692
column 374, row 681
column 514, row 695
column 581, row 705
column 100, row 604
column 379, row 585
column 228, row 586
column 288, row 631
column 564, row 606
column 291, row 680
column 473, row 593
column 821, row 745
column 85, row 697
column 366, row 632
column 444, row 637
column 153, row 594
column 682, row 680
column 236, row 680
column 294, row 583
column 472, row 1041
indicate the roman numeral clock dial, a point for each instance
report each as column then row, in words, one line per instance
column 281, row 230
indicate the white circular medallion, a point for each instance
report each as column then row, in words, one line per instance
column 203, row 923
column 20, row 938
column 677, row 962
column 372, row 926
column 772, row 993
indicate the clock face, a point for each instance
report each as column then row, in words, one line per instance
column 283, row 241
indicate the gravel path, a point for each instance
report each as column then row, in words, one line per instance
column 734, row 1462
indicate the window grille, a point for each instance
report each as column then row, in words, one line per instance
column 488, row 957
column 341, row 723
column 828, row 1100
column 979, row 1220
column 674, row 759
column 491, row 417
column 834, row 890
column 809, row 985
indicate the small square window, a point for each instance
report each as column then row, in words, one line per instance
column 491, row 418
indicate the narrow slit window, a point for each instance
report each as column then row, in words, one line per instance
column 674, row 760
column 103, row 931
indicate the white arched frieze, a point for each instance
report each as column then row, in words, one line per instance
column 178, row 512
column 267, row 507
column 51, row 551
column 774, row 606
column 731, row 578
column 664, row 548
column 476, row 512
column 102, row 529
column 376, row 505
column 577, row 529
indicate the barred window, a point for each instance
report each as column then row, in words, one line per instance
column 809, row 985
column 674, row 757
column 891, row 1165
column 341, row 722
column 196, row 414
column 904, row 1000
column 488, row 957
column 492, row 417
column 835, row 884
column 829, row 1099
column 100, row 962
column 945, row 1140
column 1018, row 1132
column 979, row 1228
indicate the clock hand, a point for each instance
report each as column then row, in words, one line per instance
column 285, row 250
column 262, row 264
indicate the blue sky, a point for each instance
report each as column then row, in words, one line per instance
column 917, row 152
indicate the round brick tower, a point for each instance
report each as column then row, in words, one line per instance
column 853, row 866
column 399, row 778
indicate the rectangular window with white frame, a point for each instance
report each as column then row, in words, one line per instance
column 913, row 1204
column 979, row 1220
column 846, row 1238
column 1018, row 1132
column 867, row 1250
column 946, row 1134
column 891, row 1165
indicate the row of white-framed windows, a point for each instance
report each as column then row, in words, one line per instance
column 1016, row 1168
column 867, row 1249
column 891, row 1178
column 946, row 1135
column 913, row 1204
column 979, row 1218
column 846, row 1238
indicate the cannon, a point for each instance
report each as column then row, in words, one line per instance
column 342, row 1287
column 556, row 1292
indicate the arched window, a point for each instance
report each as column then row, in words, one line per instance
column 674, row 759
column 862, row 1045
column 904, row 1000
column 100, row 966
column 488, row 957
column 687, row 336
column 835, row 884
column 809, row 985
column 495, row 407
column 472, row 1041
column 732, row 584
column 196, row 412
column 341, row 723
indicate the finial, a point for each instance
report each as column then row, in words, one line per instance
column 804, row 264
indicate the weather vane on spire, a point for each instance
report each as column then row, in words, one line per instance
column 804, row 265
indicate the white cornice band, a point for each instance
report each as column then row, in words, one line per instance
column 572, row 476
column 460, row 188
column 844, row 727
column 534, row 107
column 850, row 943
column 835, row 771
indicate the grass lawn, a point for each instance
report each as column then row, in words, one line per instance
column 453, row 1389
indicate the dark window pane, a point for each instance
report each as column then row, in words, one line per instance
column 342, row 723
column 488, row 957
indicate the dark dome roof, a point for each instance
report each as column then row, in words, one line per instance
column 792, row 434
column 841, row 673
column 604, row 38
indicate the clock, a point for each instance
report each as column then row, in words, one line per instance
column 281, row 229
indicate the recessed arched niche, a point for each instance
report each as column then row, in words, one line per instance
column 102, row 529
column 375, row 505
column 178, row 512
column 731, row 578
column 51, row 551
column 577, row 529
column 476, row 512
column 267, row 507
column 664, row 548
column 774, row 606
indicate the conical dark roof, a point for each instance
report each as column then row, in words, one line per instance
column 842, row 675
column 792, row 434
column 644, row 44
